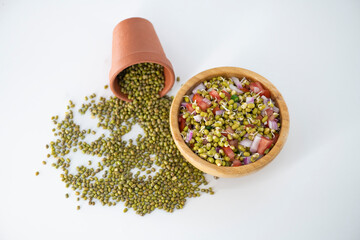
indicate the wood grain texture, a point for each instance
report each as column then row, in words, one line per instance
column 202, row 164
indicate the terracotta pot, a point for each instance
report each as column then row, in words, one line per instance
column 135, row 41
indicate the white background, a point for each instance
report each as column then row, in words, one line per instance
column 53, row 51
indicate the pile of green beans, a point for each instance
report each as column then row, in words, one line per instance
column 111, row 180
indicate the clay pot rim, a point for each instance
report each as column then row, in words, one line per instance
column 166, row 66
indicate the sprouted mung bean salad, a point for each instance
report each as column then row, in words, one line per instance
column 229, row 121
column 146, row 174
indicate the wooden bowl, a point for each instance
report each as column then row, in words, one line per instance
column 213, row 169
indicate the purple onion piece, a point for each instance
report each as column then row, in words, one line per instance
column 265, row 99
column 246, row 142
column 217, row 149
column 263, row 112
column 255, row 144
column 183, row 104
column 256, row 90
column 191, row 97
column 237, row 82
column 207, row 101
column 201, row 86
column 232, row 87
column 197, row 118
column 247, row 160
column 219, row 112
column 273, row 125
column 189, row 136
column 249, row 100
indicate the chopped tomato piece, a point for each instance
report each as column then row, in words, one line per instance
column 265, row 93
column 264, row 144
column 182, row 123
column 269, row 112
column 203, row 106
column 189, row 107
column 207, row 102
column 244, row 89
column 236, row 163
column 259, row 117
column 200, row 102
column 197, row 97
column 216, row 109
column 229, row 152
column 234, row 142
column 224, row 134
column 271, row 118
column 275, row 138
column 256, row 87
column 227, row 95
column 250, row 125
column 215, row 94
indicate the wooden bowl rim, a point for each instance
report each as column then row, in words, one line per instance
column 213, row 169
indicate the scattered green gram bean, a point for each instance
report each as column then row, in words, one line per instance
column 111, row 180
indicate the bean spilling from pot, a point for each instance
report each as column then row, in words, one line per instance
column 145, row 174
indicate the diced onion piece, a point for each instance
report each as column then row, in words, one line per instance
column 263, row 112
column 210, row 89
column 255, row 144
column 189, row 136
column 249, row 100
column 219, row 112
column 273, row 125
column 207, row 101
column 277, row 110
column 237, row 82
column 197, row 118
column 246, row 142
column 217, row 149
column 265, row 99
column 232, row 87
column 183, row 104
column 191, row 97
column 247, row 160
column 201, row 86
